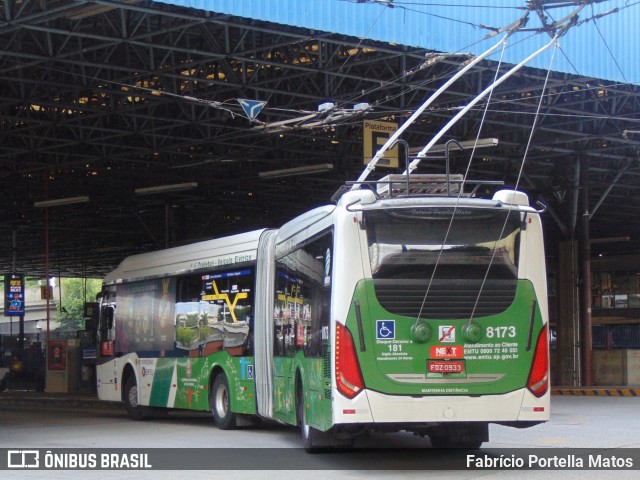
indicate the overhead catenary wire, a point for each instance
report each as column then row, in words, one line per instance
column 292, row 122
column 527, row 100
column 613, row 57
column 340, row 105
column 227, row 104
column 337, row 120
column 557, row 28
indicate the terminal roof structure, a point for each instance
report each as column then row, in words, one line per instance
column 123, row 130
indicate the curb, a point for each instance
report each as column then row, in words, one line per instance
column 58, row 402
column 597, row 392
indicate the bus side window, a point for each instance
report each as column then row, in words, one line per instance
column 303, row 299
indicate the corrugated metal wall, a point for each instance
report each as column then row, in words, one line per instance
column 434, row 25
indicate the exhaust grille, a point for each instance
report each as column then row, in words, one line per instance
column 447, row 299
column 326, row 367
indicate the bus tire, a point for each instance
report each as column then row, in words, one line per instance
column 223, row 417
column 134, row 409
column 311, row 437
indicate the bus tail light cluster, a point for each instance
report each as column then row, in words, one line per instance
column 348, row 375
column 538, row 382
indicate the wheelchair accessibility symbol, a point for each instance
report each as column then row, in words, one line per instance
column 385, row 329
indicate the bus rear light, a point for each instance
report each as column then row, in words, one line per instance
column 538, row 382
column 348, row 376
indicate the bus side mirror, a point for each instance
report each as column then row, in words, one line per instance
column 107, row 315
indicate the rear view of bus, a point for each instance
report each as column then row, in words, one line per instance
column 441, row 320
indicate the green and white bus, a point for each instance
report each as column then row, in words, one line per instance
column 390, row 310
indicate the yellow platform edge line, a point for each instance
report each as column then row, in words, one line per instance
column 604, row 392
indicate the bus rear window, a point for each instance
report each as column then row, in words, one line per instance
column 408, row 243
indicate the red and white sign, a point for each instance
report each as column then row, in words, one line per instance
column 300, row 335
column 438, row 351
column 106, row 349
column 447, row 333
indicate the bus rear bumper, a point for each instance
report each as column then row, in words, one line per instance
column 375, row 407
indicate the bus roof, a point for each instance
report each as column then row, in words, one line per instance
column 210, row 254
column 304, row 221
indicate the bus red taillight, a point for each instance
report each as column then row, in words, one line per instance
column 538, row 382
column 348, row 376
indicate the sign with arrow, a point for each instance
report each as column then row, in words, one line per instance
column 251, row 107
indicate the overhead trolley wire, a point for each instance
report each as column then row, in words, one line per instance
column 613, row 57
column 341, row 120
column 546, row 28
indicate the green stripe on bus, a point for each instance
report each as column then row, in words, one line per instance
column 162, row 382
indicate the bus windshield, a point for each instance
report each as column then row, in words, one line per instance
column 407, row 243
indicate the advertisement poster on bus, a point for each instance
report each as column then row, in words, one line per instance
column 145, row 316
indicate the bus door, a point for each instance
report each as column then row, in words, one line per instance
column 106, row 368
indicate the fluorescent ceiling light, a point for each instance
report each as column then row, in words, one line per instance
column 290, row 172
column 61, row 201
column 176, row 187
column 84, row 12
column 440, row 147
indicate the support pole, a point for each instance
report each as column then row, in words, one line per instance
column 46, row 250
column 585, row 259
column 14, row 269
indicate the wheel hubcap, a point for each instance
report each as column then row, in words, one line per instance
column 133, row 396
column 222, row 401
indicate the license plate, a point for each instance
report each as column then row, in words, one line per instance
column 445, row 366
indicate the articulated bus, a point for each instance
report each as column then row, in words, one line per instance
column 396, row 308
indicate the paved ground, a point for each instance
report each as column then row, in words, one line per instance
column 45, row 421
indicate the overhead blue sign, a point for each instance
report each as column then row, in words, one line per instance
column 251, row 107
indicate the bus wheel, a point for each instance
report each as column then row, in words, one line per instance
column 223, row 417
column 310, row 436
column 134, row 409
